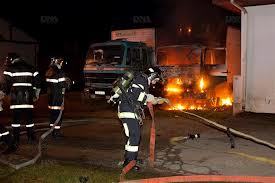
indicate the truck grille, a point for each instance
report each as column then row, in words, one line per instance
column 104, row 78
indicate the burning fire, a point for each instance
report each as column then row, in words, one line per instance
column 172, row 88
column 181, row 107
column 197, row 98
column 202, row 85
column 226, row 101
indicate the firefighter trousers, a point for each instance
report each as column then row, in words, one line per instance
column 53, row 117
column 18, row 116
column 132, row 132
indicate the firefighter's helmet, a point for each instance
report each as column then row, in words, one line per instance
column 57, row 61
column 154, row 74
column 12, row 58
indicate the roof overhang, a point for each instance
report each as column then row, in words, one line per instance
column 226, row 4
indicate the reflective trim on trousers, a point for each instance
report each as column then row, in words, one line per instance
column 130, row 115
column 23, row 106
column 131, row 148
column 56, row 127
column 15, row 125
column 126, row 129
column 55, row 107
column 30, row 125
column 5, row 133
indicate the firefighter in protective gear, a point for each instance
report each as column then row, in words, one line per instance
column 57, row 83
column 130, row 105
column 22, row 83
column 5, row 135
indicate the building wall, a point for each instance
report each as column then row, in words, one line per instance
column 15, row 40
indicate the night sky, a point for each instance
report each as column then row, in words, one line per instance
column 81, row 23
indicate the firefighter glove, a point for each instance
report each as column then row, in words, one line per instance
column 161, row 100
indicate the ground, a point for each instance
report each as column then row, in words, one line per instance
column 94, row 138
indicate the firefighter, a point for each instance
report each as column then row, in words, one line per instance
column 22, row 83
column 131, row 101
column 5, row 135
column 57, row 83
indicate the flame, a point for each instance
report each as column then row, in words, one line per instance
column 173, row 89
column 197, row 98
column 181, row 107
column 179, row 81
column 202, row 85
column 226, row 101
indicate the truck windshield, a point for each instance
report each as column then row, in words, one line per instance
column 105, row 55
column 178, row 56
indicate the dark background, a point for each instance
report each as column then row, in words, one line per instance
column 80, row 23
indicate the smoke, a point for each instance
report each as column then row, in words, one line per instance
column 205, row 20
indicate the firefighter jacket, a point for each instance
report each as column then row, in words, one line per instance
column 56, row 86
column 20, row 81
column 134, row 99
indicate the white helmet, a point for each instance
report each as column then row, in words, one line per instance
column 153, row 73
column 58, row 62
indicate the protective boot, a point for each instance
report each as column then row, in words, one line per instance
column 9, row 141
column 31, row 135
column 129, row 156
column 135, row 168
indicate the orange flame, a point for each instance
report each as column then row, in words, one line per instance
column 181, row 107
column 226, row 101
column 199, row 98
column 202, row 85
column 172, row 88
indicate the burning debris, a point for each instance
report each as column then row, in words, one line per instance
column 195, row 77
column 185, row 94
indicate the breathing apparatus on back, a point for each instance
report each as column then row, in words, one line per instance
column 121, row 85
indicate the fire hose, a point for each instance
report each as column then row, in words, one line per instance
column 41, row 139
column 152, row 136
column 230, row 131
column 207, row 178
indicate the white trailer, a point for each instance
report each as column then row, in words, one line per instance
column 258, row 53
